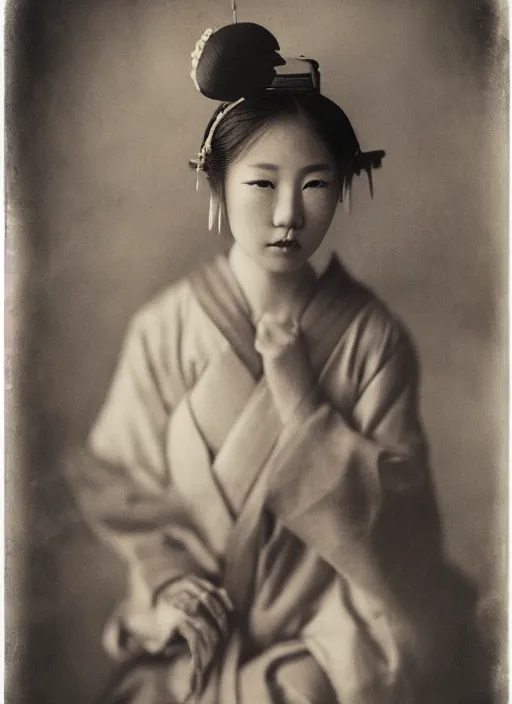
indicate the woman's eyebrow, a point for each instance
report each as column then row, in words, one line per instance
column 306, row 170
column 316, row 167
column 268, row 167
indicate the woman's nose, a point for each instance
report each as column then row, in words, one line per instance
column 289, row 209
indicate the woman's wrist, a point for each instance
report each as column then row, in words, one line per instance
column 274, row 334
column 286, row 364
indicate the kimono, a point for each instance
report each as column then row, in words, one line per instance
column 316, row 542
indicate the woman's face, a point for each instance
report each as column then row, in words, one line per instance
column 281, row 195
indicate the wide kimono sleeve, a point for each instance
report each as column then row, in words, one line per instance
column 355, row 486
column 122, row 481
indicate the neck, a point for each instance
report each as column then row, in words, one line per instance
column 284, row 294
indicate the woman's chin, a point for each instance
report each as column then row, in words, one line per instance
column 277, row 260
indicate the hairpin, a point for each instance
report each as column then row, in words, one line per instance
column 206, row 149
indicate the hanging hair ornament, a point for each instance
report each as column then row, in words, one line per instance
column 366, row 161
column 215, row 212
column 346, row 191
column 362, row 161
column 211, row 212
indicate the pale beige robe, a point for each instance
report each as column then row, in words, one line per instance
column 324, row 532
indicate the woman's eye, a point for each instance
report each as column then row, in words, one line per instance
column 316, row 183
column 260, row 184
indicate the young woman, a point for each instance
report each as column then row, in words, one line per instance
column 260, row 461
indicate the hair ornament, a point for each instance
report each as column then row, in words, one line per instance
column 242, row 60
column 206, row 149
column 239, row 60
column 367, row 161
column 196, row 54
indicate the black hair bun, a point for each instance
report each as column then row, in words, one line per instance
column 237, row 61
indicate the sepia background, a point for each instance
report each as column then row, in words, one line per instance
column 102, row 213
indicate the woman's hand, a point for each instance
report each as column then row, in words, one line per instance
column 190, row 616
column 285, row 362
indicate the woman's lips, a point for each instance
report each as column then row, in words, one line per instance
column 285, row 244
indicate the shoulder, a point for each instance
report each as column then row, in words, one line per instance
column 379, row 336
column 151, row 354
column 173, row 336
column 165, row 309
column 173, row 305
column 383, row 331
column 172, row 315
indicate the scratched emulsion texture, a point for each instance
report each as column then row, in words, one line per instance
column 103, row 213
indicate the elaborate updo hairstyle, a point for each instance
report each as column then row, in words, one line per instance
column 237, row 65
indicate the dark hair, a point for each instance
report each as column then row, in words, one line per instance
column 237, row 64
column 237, row 60
column 239, row 127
